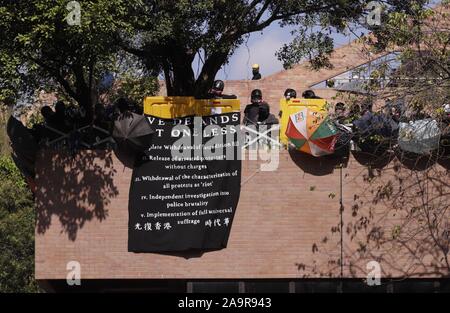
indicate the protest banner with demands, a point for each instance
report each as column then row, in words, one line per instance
column 185, row 189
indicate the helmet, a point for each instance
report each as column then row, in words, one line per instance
column 47, row 112
column 218, row 85
column 256, row 95
column 339, row 106
column 290, row 94
column 447, row 108
column 309, row 94
column 255, row 66
column 60, row 107
column 122, row 104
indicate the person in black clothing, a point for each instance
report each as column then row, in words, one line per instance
column 216, row 92
column 309, row 94
column 48, row 114
column 60, row 117
column 339, row 113
column 290, row 94
column 40, row 132
column 264, row 115
column 60, row 109
column 123, row 105
column 251, row 111
column 256, row 73
column 265, row 122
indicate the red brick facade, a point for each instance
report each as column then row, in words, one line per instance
column 281, row 223
column 285, row 223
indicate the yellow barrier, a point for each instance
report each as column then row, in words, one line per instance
column 293, row 106
column 176, row 107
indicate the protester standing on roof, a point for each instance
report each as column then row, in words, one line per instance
column 256, row 73
column 216, row 92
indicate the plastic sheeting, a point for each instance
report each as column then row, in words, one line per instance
column 420, row 137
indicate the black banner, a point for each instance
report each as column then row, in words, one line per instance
column 184, row 192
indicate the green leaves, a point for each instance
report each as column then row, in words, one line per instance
column 42, row 50
column 136, row 88
column 315, row 47
column 16, row 231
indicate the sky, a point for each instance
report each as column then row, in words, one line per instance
column 261, row 49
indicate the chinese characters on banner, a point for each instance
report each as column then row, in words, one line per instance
column 185, row 190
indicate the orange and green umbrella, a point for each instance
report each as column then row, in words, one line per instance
column 312, row 132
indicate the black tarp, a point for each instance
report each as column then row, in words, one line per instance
column 185, row 202
column 374, row 131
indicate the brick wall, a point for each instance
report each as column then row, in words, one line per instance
column 283, row 226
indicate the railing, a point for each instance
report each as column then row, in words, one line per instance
column 87, row 137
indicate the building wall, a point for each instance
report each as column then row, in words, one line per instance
column 286, row 224
column 284, row 227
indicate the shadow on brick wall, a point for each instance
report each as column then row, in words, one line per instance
column 416, row 162
column 445, row 163
column 375, row 161
column 444, row 156
column 74, row 188
column 318, row 166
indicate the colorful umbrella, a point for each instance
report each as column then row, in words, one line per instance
column 312, row 132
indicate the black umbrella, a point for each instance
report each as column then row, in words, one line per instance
column 132, row 131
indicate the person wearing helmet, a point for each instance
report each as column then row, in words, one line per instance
column 290, row 94
column 251, row 111
column 339, row 113
column 309, row 94
column 256, row 73
column 216, row 92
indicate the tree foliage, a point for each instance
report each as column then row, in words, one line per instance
column 401, row 218
column 422, row 36
column 40, row 49
column 17, row 220
column 170, row 34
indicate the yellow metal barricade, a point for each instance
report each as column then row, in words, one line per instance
column 218, row 106
column 292, row 106
column 176, row 107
